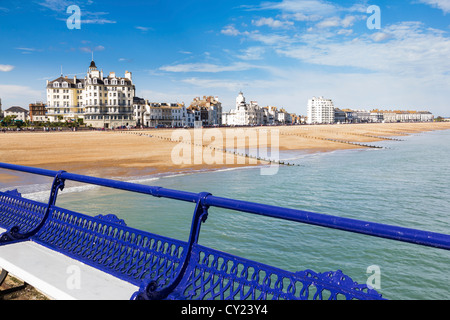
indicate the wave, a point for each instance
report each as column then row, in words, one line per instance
column 41, row 192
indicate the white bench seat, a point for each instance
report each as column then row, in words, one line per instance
column 60, row 277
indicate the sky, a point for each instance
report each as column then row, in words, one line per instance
column 361, row 54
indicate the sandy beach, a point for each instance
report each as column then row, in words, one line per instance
column 144, row 152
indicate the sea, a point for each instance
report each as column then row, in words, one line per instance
column 406, row 183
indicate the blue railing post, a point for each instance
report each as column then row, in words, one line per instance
column 150, row 290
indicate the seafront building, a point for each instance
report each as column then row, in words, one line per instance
column 38, row 112
column 209, row 108
column 381, row 116
column 406, row 116
column 65, row 99
column 18, row 113
column 101, row 101
column 320, row 111
column 245, row 114
column 251, row 114
column 162, row 114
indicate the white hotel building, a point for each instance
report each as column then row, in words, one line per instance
column 320, row 110
column 103, row 102
column 251, row 114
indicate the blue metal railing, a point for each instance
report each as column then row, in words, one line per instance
column 420, row 237
column 203, row 201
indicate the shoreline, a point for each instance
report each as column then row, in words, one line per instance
column 138, row 153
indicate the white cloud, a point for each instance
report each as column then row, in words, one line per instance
column 230, row 31
column 6, row 67
column 298, row 16
column 97, row 21
column 90, row 49
column 410, row 49
column 444, row 5
column 380, row 36
column 272, row 23
column 330, row 22
column 56, row 5
column 214, row 83
column 348, row 21
column 19, row 95
column 345, row 22
column 306, row 7
column 143, row 29
column 206, row 67
column 252, row 53
column 268, row 39
column 27, row 49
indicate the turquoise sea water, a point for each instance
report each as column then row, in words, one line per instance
column 405, row 184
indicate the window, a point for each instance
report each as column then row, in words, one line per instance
column 55, row 84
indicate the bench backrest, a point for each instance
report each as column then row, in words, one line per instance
column 139, row 257
column 109, row 245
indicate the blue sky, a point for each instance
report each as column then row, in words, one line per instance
column 277, row 52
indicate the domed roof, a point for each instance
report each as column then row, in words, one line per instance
column 240, row 98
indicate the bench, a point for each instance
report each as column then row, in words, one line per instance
column 69, row 255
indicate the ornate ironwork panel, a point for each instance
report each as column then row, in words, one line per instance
column 19, row 212
column 215, row 275
column 111, row 246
